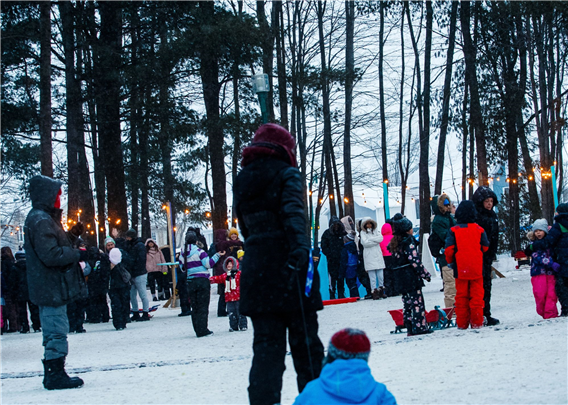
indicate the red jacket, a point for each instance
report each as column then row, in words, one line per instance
column 232, row 286
column 465, row 245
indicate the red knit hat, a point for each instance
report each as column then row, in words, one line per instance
column 348, row 344
column 271, row 140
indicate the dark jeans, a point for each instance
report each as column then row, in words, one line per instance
column 222, row 305
column 269, row 347
column 23, row 315
column 339, row 283
column 487, row 287
column 97, row 311
column 120, row 306
column 76, row 314
column 389, row 278
column 181, row 287
column 352, row 285
column 364, row 279
column 199, row 289
column 236, row 320
column 157, row 277
column 562, row 293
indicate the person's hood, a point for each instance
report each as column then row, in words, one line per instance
column 434, row 205
column 221, row 235
column 386, row 230
column 43, row 192
column 562, row 219
column 443, row 199
column 151, row 240
column 368, row 220
column 348, row 224
column 483, row 193
column 230, row 259
column 466, row 212
column 352, row 381
column 271, row 140
column 333, row 221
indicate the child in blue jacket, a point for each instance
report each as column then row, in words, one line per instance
column 349, row 263
column 346, row 377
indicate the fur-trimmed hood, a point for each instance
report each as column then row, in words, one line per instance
column 366, row 221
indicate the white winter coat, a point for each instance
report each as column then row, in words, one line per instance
column 371, row 239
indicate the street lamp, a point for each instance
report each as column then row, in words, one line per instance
column 261, row 87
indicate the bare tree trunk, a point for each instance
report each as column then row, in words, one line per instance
column 382, row 97
column 278, row 28
column 446, row 101
column 267, row 53
column 45, row 89
column 475, row 105
column 349, row 78
column 108, row 106
column 210, row 80
column 465, row 127
column 327, row 142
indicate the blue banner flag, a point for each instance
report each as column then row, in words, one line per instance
column 310, row 276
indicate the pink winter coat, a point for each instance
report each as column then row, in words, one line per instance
column 386, row 231
column 153, row 257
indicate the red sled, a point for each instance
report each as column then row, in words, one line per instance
column 437, row 318
column 340, row 301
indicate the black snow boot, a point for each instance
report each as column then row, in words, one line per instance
column 145, row 317
column 55, row 377
column 135, row 316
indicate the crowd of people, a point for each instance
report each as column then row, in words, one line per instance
column 64, row 283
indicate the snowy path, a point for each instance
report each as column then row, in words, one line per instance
column 522, row 361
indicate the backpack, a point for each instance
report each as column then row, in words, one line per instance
column 436, row 244
column 352, row 263
column 124, row 274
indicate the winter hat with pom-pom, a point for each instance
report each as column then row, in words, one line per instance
column 402, row 226
column 348, row 344
column 271, row 140
column 115, row 256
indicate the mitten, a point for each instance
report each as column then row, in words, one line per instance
column 530, row 236
column 556, row 267
column 298, row 259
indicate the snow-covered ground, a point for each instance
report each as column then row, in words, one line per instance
column 522, row 361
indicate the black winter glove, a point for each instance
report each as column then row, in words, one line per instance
column 298, row 259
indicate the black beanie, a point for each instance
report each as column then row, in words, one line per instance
column 402, row 226
column 191, row 238
column 132, row 233
column 562, row 208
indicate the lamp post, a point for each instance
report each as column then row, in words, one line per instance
column 261, row 87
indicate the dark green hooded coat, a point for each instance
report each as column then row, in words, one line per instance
column 441, row 224
column 54, row 275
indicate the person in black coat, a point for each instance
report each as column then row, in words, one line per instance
column 10, row 308
column 331, row 246
column 97, row 310
column 269, row 204
column 23, row 297
column 408, row 273
column 54, row 276
column 485, row 200
column 137, row 252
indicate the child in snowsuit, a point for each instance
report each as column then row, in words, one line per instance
column 232, row 281
column 543, row 270
column 346, row 377
column 119, row 291
column 349, row 263
column 409, row 273
column 557, row 240
column 465, row 244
